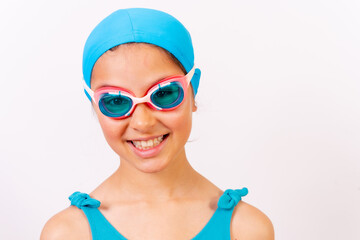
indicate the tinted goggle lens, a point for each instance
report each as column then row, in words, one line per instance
column 114, row 105
column 168, row 96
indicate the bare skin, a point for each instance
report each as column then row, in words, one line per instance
column 160, row 197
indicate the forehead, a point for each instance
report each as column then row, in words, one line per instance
column 133, row 66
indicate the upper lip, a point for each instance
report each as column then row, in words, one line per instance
column 145, row 138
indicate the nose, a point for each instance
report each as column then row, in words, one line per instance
column 142, row 119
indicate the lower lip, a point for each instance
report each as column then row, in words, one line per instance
column 152, row 152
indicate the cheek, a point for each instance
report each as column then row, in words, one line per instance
column 113, row 130
column 180, row 120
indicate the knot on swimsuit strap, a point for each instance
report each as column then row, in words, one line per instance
column 231, row 197
column 83, row 200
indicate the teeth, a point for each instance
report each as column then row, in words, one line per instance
column 144, row 145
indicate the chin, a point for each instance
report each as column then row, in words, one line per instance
column 153, row 166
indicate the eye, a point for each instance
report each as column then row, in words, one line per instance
column 116, row 100
column 164, row 92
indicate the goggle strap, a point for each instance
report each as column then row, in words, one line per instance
column 88, row 90
column 190, row 74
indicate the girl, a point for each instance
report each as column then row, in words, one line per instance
column 139, row 72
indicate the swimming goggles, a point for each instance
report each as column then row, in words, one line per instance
column 119, row 103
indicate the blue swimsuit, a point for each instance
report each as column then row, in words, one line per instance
column 217, row 228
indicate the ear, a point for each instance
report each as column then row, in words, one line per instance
column 194, row 107
column 193, row 103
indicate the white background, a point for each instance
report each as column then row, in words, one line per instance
column 278, row 109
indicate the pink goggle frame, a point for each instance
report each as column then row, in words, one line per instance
column 98, row 93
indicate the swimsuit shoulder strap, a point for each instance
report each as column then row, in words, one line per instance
column 231, row 197
column 82, row 200
column 100, row 227
column 219, row 225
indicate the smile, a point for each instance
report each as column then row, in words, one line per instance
column 148, row 144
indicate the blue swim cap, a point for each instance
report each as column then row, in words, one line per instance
column 140, row 25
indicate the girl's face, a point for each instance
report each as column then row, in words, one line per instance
column 149, row 140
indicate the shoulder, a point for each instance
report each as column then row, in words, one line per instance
column 71, row 223
column 248, row 222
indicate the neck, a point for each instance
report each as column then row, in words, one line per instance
column 174, row 181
